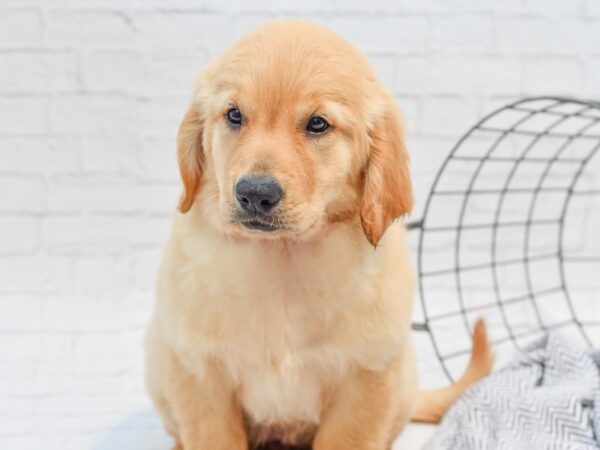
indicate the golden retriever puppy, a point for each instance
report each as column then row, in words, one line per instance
column 284, row 296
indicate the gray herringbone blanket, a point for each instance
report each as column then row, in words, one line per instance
column 547, row 398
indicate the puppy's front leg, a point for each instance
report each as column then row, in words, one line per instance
column 206, row 413
column 369, row 408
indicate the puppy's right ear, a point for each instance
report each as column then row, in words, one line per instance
column 190, row 156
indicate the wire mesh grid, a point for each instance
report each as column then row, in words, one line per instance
column 511, row 230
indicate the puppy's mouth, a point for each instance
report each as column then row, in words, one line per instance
column 258, row 222
column 255, row 224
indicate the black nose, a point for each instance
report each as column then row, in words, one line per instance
column 258, row 194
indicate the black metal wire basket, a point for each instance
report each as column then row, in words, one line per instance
column 511, row 230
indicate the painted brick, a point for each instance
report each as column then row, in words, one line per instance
column 447, row 6
column 448, row 116
column 38, row 71
column 458, row 74
column 113, row 196
column 17, row 407
column 106, row 153
column 560, row 37
column 114, row 114
column 592, row 9
column 593, row 77
column 385, row 68
column 20, row 29
column 552, row 75
column 16, row 426
column 103, row 234
column 150, row 73
column 34, row 274
column 97, row 114
column 10, row 370
column 20, row 346
column 410, row 108
column 275, row 6
column 31, row 154
column 556, row 8
column 72, row 28
column 182, row 30
column 20, row 235
column 383, row 34
column 32, row 442
column 21, row 194
column 468, row 32
column 102, row 274
column 24, row 115
column 158, row 159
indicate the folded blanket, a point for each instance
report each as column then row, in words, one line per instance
column 547, row 398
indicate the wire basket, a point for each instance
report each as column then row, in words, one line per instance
column 511, row 230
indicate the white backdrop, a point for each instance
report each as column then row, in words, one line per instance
column 91, row 93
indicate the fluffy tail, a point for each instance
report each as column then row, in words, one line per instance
column 432, row 405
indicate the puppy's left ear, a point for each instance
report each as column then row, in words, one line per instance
column 387, row 192
column 190, row 156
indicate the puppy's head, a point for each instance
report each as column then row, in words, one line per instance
column 290, row 132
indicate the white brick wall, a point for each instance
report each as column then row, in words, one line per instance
column 91, row 93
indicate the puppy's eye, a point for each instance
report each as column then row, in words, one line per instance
column 316, row 125
column 234, row 116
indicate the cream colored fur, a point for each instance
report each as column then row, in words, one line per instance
column 301, row 335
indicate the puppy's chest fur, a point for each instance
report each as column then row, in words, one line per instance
column 283, row 324
column 284, row 381
column 281, row 375
column 281, row 372
column 273, row 322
